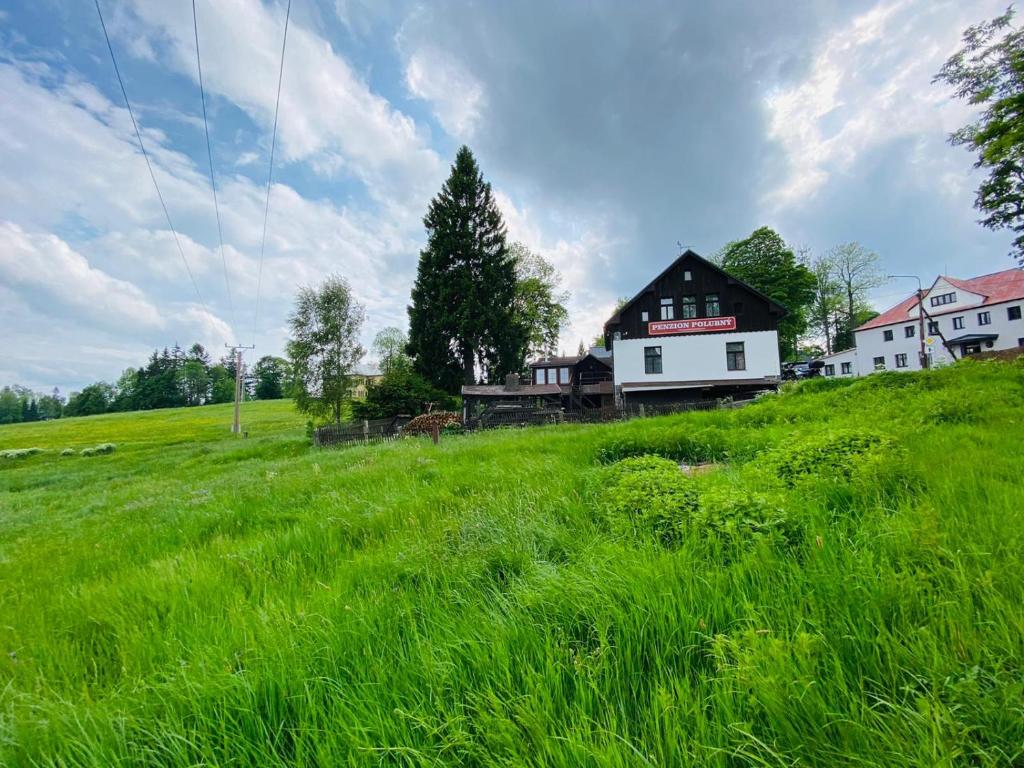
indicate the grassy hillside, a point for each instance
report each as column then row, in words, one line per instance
column 843, row 588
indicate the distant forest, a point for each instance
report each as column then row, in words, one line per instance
column 170, row 379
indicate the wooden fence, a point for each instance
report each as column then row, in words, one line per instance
column 385, row 430
column 365, row 431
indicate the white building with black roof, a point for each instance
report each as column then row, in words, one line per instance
column 694, row 332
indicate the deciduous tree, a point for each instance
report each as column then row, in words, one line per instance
column 324, row 346
column 765, row 262
column 988, row 72
column 540, row 304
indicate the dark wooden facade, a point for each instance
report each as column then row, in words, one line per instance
column 752, row 309
column 590, row 380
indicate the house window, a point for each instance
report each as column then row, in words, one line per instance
column 1013, row 313
column 735, row 359
column 901, row 360
column 687, row 275
column 908, row 331
column 887, row 335
column 652, row 359
column 945, row 298
column 984, row 318
column 712, row 308
column 689, row 307
column 830, row 370
column 933, row 328
column 879, row 363
column 552, row 375
column 644, row 317
column 563, row 375
column 737, row 307
column 846, row 367
column 958, row 323
column 668, row 311
column 1020, row 342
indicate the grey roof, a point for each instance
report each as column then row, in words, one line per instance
column 555, row 362
column 500, row 390
column 970, row 337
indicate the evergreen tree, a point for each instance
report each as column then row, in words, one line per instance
column 462, row 315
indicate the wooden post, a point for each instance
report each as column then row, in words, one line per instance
column 642, row 414
column 366, row 431
column 435, row 434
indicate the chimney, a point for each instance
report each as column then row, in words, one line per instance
column 512, row 382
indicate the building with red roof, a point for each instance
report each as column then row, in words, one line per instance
column 957, row 318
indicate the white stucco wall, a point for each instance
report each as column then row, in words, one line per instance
column 697, row 357
column 838, row 358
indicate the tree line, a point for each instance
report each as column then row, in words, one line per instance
column 172, row 378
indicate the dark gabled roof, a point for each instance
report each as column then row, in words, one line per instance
column 700, row 259
column 555, row 362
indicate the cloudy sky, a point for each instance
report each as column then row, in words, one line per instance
column 611, row 131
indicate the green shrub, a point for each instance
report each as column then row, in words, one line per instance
column 69, row 452
column 739, row 516
column 649, row 495
column 833, row 456
column 19, row 453
column 673, row 441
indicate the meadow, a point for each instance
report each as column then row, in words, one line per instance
column 842, row 586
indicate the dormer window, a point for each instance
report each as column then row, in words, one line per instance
column 943, row 298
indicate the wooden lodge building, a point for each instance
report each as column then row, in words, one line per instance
column 694, row 332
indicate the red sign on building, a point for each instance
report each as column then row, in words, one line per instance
column 697, row 325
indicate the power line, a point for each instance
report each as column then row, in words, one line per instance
column 270, row 174
column 213, row 182
column 149, row 165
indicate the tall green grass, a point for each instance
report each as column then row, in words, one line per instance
column 196, row 599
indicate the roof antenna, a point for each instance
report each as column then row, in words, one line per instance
column 681, row 249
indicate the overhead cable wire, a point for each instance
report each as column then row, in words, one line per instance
column 149, row 165
column 270, row 174
column 213, row 182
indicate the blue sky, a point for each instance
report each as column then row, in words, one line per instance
column 611, row 131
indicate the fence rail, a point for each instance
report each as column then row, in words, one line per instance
column 385, row 430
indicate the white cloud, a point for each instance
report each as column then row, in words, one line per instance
column 870, row 84
column 44, row 267
column 455, row 95
column 326, row 108
column 583, row 262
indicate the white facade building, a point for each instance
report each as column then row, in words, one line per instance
column 961, row 317
column 696, row 360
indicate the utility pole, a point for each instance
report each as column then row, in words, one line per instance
column 236, row 350
column 922, row 355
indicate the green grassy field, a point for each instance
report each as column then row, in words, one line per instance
column 845, row 587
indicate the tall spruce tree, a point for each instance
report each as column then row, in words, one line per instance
column 462, row 317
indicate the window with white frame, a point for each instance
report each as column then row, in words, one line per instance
column 689, row 307
column 687, row 275
column 652, row 359
column 644, row 317
column 668, row 310
column 712, row 307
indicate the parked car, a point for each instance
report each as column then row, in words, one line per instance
column 801, row 369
